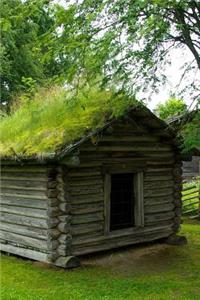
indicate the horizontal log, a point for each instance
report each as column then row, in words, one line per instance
column 23, row 202
column 164, row 207
column 24, row 176
column 32, row 254
column 155, row 185
column 24, row 183
column 85, row 199
column 158, row 193
column 33, row 193
column 127, row 148
column 85, row 182
column 128, row 138
column 24, row 211
column 23, row 240
column 152, row 218
column 99, row 246
column 21, row 195
column 91, row 189
column 158, row 200
column 157, row 178
column 22, row 220
column 85, row 209
column 25, row 230
column 87, row 218
column 18, row 177
column 25, row 168
column 87, row 228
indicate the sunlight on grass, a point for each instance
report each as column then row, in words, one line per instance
column 173, row 273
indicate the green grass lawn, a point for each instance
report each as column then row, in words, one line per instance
column 154, row 271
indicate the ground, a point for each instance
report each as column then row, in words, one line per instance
column 154, row 272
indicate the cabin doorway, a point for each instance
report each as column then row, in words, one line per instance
column 122, row 201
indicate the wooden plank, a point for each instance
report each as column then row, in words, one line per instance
column 18, row 196
column 11, row 177
column 107, row 192
column 163, row 207
column 23, row 220
column 85, row 209
column 25, row 230
column 82, row 229
column 23, row 240
column 22, row 191
column 152, row 218
column 89, row 190
column 87, row 218
column 128, row 148
column 32, row 254
column 23, row 202
column 25, row 169
column 158, row 193
column 24, row 176
column 86, row 199
column 24, row 183
column 24, row 211
column 139, row 200
column 86, row 249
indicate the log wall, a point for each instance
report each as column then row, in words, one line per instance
column 131, row 146
column 26, row 200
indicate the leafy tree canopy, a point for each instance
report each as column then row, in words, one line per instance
column 128, row 41
column 170, row 108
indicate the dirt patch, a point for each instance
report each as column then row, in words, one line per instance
column 144, row 259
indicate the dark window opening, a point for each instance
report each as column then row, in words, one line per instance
column 121, row 201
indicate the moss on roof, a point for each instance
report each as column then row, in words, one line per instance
column 52, row 118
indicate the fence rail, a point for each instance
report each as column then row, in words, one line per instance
column 191, row 199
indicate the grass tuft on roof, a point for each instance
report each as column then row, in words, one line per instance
column 40, row 126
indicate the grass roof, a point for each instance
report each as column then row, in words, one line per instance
column 52, row 118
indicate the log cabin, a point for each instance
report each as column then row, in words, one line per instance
column 116, row 186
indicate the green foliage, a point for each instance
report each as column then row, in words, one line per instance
column 42, row 124
column 24, row 24
column 170, row 108
column 157, row 272
column 129, row 41
column 191, row 133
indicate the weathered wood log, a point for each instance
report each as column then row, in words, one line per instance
column 23, row 196
column 86, row 249
column 87, row 228
column 150, row 218
column 64, row 227
column 52, row 222
column 87, row 218
column 52, row 245
column 65, row 207
column 53, row 211
column 25, row 230
column 86, row 209
column 32, row 254
column 23, row 202
column 23, row 240
column 23, row 220
column 24, row 211
column 70, row 161
column 23, row 193
column 158, row 208
column 67, row 262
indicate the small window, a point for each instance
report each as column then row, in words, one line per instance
column 121, row 201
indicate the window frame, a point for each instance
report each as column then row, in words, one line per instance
column 138, row 198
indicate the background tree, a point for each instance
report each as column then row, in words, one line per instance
column 129, row 41
column 24, row 26
column 170, row 108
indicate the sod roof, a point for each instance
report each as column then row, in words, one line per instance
column 54, row 122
